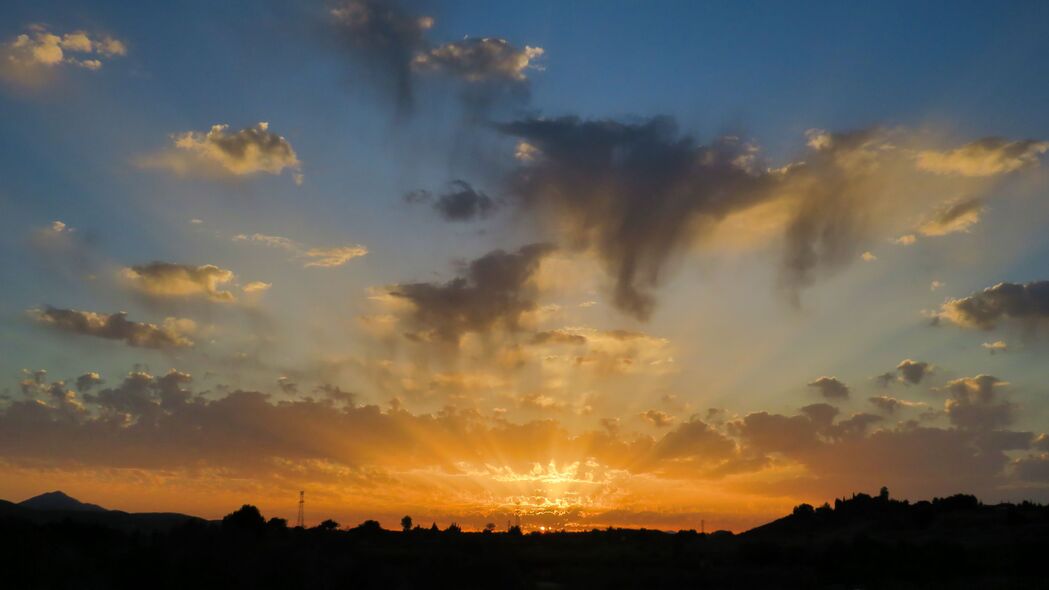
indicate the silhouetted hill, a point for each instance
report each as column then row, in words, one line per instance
column 861, row 542
column 54, row 507
column 59, row 500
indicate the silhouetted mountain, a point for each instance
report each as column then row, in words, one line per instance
column 54, row 507
column 59, row 500
column 859, row 542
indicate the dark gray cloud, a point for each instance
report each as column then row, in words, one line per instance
column 885, row 379
column 639, row 193
column 830, row 387
column 633, row 192
column 462, row 202
column 912, row 372
column 1024, row 303
column 384, row 40
column 173, row 333
column 493, row 290
column 975, row 403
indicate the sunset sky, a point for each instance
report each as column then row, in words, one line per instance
column 596, row 263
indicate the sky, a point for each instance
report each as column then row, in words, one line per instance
column 589, row 263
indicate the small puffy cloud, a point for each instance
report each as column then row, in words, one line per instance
column 31, row 56
column 222, row 153
column 87, row 381
column 1025, row 303
column 890, row 405
column 868, row 257
column 986, row 157
column 256, row 287
column 996, row 346
column 830, row 387
column 906, row 240
column 885, row 379
column 173, row 333
column 936, row 285
column 165, row 279
column 479, row 59
column 312, row 257
column 332, row 257
column 912, row 372
column 657, row 418
column 287, row 386
column 953, row 218
column 461, row 202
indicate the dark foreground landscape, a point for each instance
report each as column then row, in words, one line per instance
column 53, row 541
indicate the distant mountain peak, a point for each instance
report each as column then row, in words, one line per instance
column 59, row 500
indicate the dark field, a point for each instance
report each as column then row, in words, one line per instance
column 863, row 542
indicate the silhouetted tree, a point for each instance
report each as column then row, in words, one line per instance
column 248, row 518
column 489, row 528
column 453, row 529
column 276, row 523
column 370, row 527
column 406, row 523
column 883, row 495
column 434, row 529
column 328, row 525
column 515, row 531
column 804, row 510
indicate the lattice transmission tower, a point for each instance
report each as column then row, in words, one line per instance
column 301, row 521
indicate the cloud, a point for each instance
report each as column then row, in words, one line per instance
column 657, row 418
column 985, row 157
column 1023, row 303
column 256, row 287
column 312, row 257
column 890, row 405
column 87, row 381
column 460, row 203
column 912, row 372
column 392, row 47
column 639, row 193
column 868, row 257
column 632, row 192
column 479, row 60
column 831, row 388
column 31, row 57
column 906, row 240
column 996, row 346
column 385, row 40
column 604, row 352
column 974, row 403
column 495, row 289
column 953, row 218
column 158, row 427
column 166, row 279
column 173, row 333
column 220, row 153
